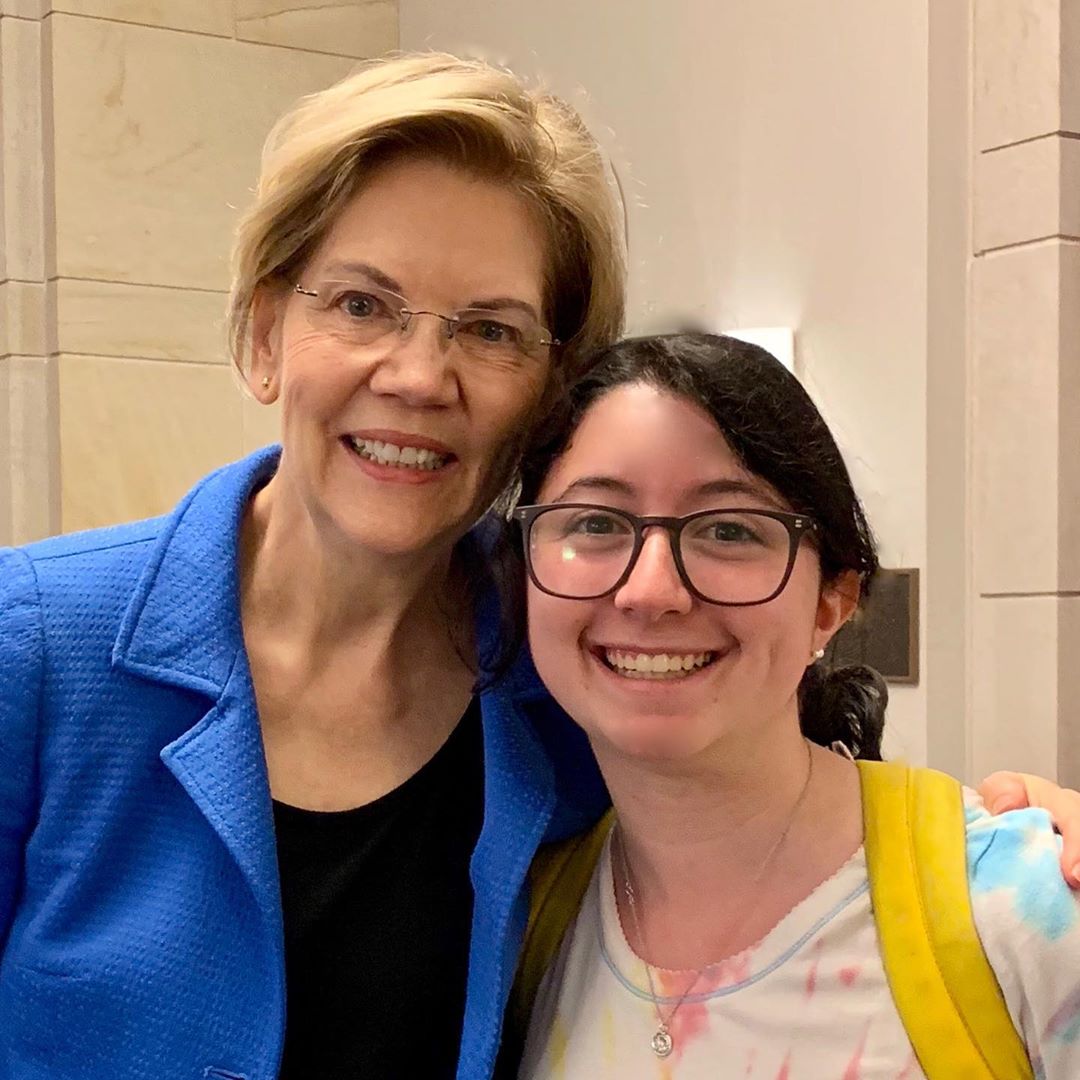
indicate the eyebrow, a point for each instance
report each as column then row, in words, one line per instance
column 373, row 273
column 504, row 303
column 385, row 281
column 713, row 487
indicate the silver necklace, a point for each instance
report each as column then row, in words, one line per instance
column 662, row 1043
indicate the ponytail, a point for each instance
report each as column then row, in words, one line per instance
column 846, row 705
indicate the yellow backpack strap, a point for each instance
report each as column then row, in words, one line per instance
column 558, row 879
column 944, row 988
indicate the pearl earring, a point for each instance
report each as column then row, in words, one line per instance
column 266, row 382
column 817, row 654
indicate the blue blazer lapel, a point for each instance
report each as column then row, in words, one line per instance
column 182, row 628
column 519, row 789
column 220, row 763
column 182, row 625
column 519, row 800
column 541, row 782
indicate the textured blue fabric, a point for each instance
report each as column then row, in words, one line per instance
column 140, row 918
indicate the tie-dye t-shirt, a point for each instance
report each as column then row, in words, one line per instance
column 810, row 1000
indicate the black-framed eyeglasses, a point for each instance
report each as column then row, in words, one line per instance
column 731, row 556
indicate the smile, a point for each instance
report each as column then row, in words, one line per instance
column 637, row 665
column 401, row 457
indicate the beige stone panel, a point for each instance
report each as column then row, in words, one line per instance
column 1027, row 419
column 1015, row 684
column 262, row 424
column 1070, row 187
column 357, row 28
column 27, row 217
column 1070, row 66
column 5, row 452
column 1017, row 70
column 1069, row 424
column 136, row 434
column 202, row 16
column 3, row 186
column 25, row 9
column 26, row 309
column 1015, row 419
column 1069, row 691
column 32, row 420
column 114, row 319
column 158, row 137
column 1017, row 193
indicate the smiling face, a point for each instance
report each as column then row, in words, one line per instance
column 399, row 444
column 650, row 670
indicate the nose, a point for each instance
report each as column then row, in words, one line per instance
column 417, row 366
column 654, row 587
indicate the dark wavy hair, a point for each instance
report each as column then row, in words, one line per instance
column 777, row 433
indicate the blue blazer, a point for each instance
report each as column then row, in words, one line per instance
column 140, row 916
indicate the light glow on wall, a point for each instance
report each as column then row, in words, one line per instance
column 779, row 340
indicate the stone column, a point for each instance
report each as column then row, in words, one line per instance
column 948, row 390
column 1025, row 339
column 131, row 132
column 29, row 459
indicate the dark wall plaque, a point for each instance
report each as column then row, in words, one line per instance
column 885, row 633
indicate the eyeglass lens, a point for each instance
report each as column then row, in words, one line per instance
column 359, row 314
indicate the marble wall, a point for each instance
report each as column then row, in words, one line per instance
column 130, row 133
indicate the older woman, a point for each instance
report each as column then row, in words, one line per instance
column 292, row 655
column 263, row 810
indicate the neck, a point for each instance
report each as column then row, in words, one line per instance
column 677, row 817
column 720, row 850
column 322, row 591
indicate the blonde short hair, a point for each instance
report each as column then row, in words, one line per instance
column 470, row 115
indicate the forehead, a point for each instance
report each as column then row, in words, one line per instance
column 437, row 229
column 659, row 442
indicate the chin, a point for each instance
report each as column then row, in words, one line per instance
column 411, row 523
column 656, row 738
column 395, row 536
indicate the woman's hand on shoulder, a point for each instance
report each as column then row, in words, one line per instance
column 1002, row 791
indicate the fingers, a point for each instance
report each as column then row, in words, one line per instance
column 1003, row 791
column 1064, row 807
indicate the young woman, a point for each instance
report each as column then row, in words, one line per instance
column 693, row 544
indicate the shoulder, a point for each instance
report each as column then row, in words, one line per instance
column 1014, row 870
column 21, row 636
column 97, row 552
column 65, row 578
column 74, row 579
column 79, row 575
column 93, row 542
column 1028, row 920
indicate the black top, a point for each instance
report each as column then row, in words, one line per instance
column 378, row 908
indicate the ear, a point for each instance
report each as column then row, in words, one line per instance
column 839, row 600
column 267, row 312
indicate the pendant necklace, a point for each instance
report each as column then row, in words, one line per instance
column 662, row 1042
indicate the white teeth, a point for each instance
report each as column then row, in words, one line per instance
column 404, row 457
column 656, row 665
